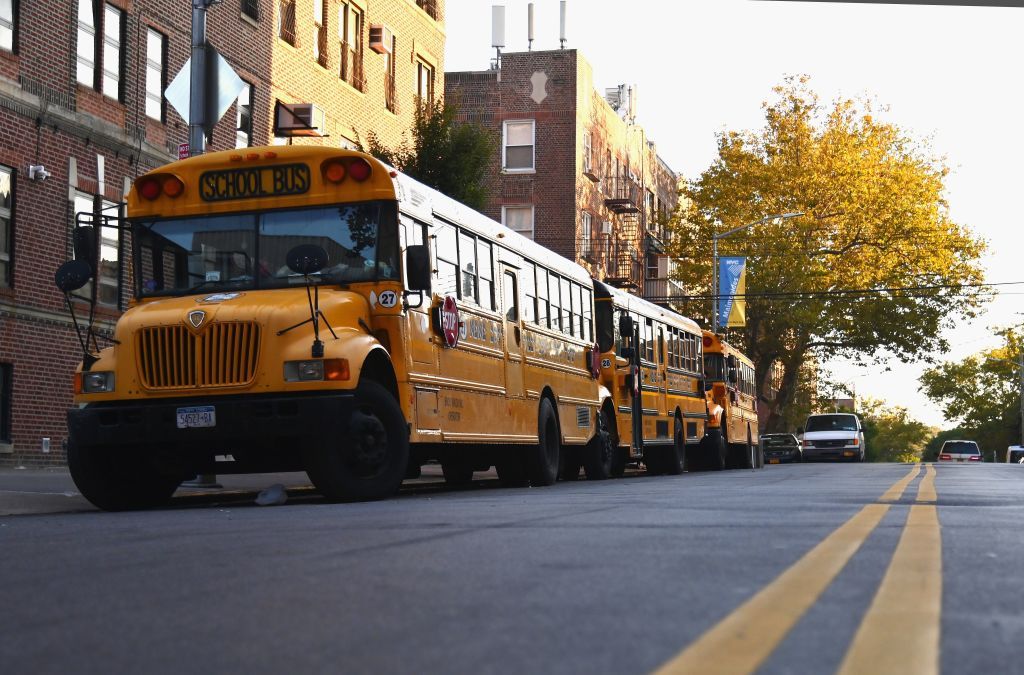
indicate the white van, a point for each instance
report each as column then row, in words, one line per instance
column 1015, row 454
column 833, row 436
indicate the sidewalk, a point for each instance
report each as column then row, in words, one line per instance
column 39, row 491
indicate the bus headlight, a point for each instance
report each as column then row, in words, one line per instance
column 97, row 382
column 316, row 370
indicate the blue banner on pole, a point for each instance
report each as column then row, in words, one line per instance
column 732, row 311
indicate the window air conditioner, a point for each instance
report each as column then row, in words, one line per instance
column 299, row 119
column 380, row 38
column 606, row 227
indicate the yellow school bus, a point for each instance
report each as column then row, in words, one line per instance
column 309, row 308
column 651, row 364
column 732, row 440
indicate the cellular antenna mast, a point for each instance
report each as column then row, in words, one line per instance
column 497, row 32
column 529, row 27
column 561, row 34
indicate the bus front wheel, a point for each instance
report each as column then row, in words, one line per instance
column 713, row 450
column 115, row 480
column 370, row 462
column 600, row 451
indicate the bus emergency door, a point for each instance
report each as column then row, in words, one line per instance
column 513, row 332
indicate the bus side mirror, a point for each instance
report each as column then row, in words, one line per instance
column 84, row 244
column 72, row 275
column 417, row 267
column 626, row 325
column 733, row 362
column 733, row 376
column 306, row 259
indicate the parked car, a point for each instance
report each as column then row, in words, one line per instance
column 780, row 448
column 833, row 436
column 1015, row 454
column 960, row 451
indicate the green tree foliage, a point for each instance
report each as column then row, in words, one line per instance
column 875, row 221
column 982, row 393
column 890, row 434
column 446, row 154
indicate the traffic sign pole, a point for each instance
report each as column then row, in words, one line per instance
column 197, row 87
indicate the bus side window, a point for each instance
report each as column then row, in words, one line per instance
column 661, row 345
column 486, row 262
column 529, row 282
column 588, row 315
column 447, row 260
column 542, row 297
column 467, row 264
column 649, row 340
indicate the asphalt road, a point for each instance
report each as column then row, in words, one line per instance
column 814, row 568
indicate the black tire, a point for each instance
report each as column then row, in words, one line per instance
column 599, row 454
column 457, row 473
column 545, row 459
column 370, row 462
column 713, row 450
column 674, row 458
column 114, row 480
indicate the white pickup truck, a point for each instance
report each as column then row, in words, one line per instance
column 833, row 436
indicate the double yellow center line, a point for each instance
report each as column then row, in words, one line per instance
column 899, row 633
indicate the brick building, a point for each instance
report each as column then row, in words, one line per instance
column 573, row 170
column 81, row 96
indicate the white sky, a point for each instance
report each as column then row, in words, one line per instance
column 949, row 73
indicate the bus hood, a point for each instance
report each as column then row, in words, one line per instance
column 273, row 310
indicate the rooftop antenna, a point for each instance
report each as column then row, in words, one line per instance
column 497, row 32
column 561, row 35
column 529, row 27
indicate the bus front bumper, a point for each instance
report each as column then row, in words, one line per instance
column 239, row 424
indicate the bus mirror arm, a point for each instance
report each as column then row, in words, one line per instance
column 405, row 299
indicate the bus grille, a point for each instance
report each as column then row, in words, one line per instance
column 223, row 355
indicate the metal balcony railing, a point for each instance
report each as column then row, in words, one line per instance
column 322, row 56
column 662, row 290
column 621, row 194
column 390, row 99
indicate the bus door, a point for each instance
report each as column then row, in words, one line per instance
column 420, row 340
column 513, row 333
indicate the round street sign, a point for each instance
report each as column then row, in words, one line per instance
column 450, row 321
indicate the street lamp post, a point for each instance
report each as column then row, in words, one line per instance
column 775, row 218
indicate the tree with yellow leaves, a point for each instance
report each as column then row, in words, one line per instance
column 875, row 266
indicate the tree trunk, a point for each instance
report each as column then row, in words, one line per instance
column 787, row 392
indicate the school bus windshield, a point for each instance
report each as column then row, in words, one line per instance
column 246, row 251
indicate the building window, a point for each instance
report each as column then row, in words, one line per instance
column 84, row 203
column 113, row 32
column 350, row 33
column 518, row 219
column 286, row 21
column 155, row 74
column 587, row 151
column 85, row 71
column 517, row 145
column 108, row 275
column 243, row 118
column 586, row 235
column 6, row 390
column 428, row 6
column 389, row 78
column 320, row 32
column 424, row 81
column 6, row 224
column 251, row 8
column 8, row 19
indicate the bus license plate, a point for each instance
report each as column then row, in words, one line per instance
column 773, row 461
column 198, row 416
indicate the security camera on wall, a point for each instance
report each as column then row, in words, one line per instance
column 37, row 172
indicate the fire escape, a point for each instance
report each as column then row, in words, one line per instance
column 623, row 266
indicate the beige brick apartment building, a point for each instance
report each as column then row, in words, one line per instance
column 81, row 95
column 573, row 170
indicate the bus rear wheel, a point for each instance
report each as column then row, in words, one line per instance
column 114, row 480
column 545, row 459
column 371, row 461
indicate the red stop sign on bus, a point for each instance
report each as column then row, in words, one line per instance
column 450, row 321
